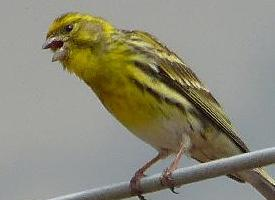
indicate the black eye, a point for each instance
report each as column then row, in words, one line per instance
column 69, row 28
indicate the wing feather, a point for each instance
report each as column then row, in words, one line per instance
column 175, row 73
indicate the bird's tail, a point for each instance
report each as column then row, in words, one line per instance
column 261, row 181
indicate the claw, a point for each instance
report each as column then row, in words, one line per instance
column 141, row 197
column 172, row 189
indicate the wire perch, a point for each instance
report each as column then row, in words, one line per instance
column 181, row 176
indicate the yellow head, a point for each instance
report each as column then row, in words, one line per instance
column 76, row 30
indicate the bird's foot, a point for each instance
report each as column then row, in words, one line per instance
column 135, row 184
column 167, row 180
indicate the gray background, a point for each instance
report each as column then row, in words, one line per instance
column 56, row 138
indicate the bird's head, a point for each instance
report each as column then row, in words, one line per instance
column 76, row 30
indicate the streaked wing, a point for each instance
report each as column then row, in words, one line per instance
column 188, row 85
column 173, row 71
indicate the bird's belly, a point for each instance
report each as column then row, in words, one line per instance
column 165, row 125
column 161, row 124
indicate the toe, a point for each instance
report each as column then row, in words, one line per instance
column 167, row 180
column 135, row 185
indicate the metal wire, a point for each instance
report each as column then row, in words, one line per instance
column 181, row 176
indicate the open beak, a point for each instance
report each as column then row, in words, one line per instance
column 53, row 43
column 57, row 45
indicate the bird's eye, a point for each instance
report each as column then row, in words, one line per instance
column 69, row 28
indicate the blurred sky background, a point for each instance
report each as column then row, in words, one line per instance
column 56, row 138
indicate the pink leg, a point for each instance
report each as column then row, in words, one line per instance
column 135, row 181
column 166, row 178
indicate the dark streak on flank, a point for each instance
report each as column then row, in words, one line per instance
column 203, row 135
column 160, row 98
column 143, row 88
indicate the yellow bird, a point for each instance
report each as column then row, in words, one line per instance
column 152, row 92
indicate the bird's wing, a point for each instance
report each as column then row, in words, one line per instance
column 173, row 71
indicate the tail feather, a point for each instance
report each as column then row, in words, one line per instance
column 261, row 181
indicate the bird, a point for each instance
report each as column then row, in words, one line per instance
column 152, row 92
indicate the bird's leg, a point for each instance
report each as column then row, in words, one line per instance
column 135, row 181
column 166, row 178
